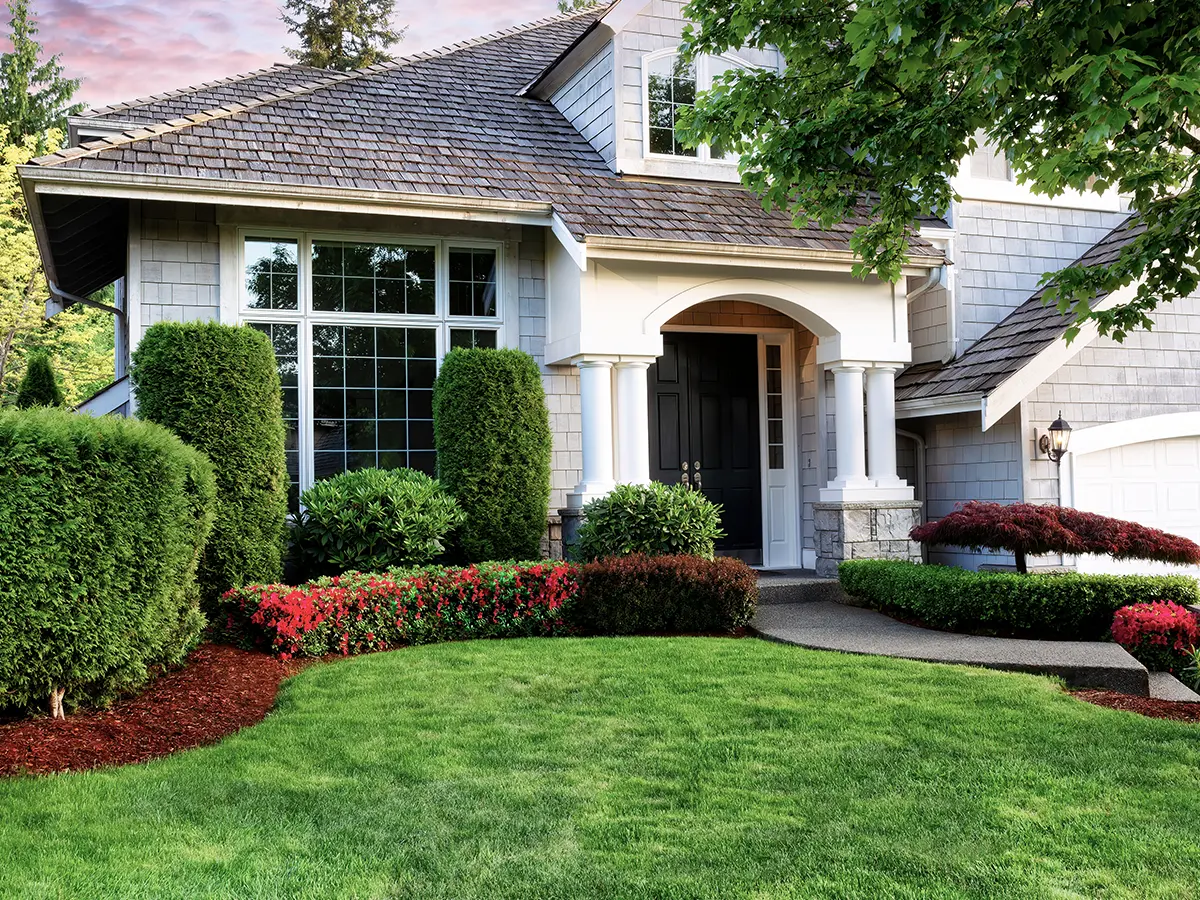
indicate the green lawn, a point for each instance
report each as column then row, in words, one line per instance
column 634, row 768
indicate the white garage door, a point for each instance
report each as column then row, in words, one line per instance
column 1156, row 483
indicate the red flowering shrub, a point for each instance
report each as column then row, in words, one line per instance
column 663, row 594
column 359, row 613
column 1159, row 635
column 1025, row 529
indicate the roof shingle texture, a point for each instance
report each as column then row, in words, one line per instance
column 450, row 123
column 1006, row 348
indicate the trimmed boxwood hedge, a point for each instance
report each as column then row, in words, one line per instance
column 654, row 519
column 102, row 522
column 1060, row 606
column 217, row 387
column 492, row 432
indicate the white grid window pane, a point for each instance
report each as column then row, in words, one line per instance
column 271, row 277
column 774, row 406
column 373, row 278
column 285, row 340
column 373, row 398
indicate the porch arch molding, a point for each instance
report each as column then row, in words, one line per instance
column 810, row 310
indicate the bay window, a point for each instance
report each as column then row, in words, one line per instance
column 359, row 328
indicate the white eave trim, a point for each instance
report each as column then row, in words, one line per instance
column 1135, row 431
column 577, row 251
column 652, row 250
column 1025, row 380
column 946, row 405
column 123, row 185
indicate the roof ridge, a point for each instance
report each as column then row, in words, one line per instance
column 333, row 77
column 190, row 89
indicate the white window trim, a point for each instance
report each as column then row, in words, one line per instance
column 703, row 83
column 237, row 309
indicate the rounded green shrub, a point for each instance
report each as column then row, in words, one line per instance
column 654, row 519
column 492, row 432
column 39, row 387
column 217, row 387
column 372, row 519
column 102, row 523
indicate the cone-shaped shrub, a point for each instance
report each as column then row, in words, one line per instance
column 492, row 432
column 217, row 387
column 39, row 387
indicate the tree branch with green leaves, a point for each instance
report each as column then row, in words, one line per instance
column 881, row 100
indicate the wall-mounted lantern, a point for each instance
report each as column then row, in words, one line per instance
column 1054, row 444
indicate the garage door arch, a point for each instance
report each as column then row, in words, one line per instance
column 1146, row 470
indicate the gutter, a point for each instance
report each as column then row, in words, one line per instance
column 124, row 185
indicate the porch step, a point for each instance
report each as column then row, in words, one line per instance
column 776, row 586
column 1165, row 686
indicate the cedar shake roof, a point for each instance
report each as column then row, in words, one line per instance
column 210, row 95
column 1010, row 345
column 449, row 122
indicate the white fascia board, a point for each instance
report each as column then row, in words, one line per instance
column 948, row 405
column 121, row 185
column 622, row 13
column 995, row 190
column 650, row 250
column 577, row 251
column 33, row 203
column 1025, row 380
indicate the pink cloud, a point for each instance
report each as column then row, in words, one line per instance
column 124, row 49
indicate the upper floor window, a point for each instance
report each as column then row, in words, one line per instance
column 671, row 85
column 990, row 162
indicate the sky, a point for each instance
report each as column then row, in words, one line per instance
column 124, row 49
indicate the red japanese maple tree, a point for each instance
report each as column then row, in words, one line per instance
column 1024, row 529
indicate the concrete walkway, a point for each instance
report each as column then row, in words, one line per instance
column 827, row 625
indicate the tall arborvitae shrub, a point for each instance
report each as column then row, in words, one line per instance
column 217, row 387
column 492, row 431
column 102, row 522
column 39, row 387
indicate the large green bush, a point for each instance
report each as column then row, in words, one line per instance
column 217, row 387
column 655, row 519
column 371, row 519
column 492, row 432
column 102, row 522
column 1064, row 606
column 665, row 594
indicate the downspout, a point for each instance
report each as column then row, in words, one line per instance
column 943, row 277
column 121, row 326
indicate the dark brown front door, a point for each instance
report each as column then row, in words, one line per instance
column 704, row 423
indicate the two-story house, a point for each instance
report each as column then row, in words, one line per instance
column 527, row 189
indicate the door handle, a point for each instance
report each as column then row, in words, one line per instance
column 696, row 477
column 685, row 479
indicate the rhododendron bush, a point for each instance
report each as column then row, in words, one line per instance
column 1025, row 529
column 1160, row 635
column 359, row 613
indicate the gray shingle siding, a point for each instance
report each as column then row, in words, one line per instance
column 180, row 263
column 1152, row 373
column 1003, row 249
column 588, row 102
column 963, row 463
column 928, row 324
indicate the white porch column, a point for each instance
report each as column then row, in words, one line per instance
column 881, row 426
column 633, row 422
column 851, row 433
column 595, row 390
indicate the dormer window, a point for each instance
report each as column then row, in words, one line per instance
column 671, row 85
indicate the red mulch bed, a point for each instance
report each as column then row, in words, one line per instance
column 219, row 691
column 1146, row 706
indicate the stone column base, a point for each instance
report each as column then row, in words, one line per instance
column 865, row 530
column 552, row 540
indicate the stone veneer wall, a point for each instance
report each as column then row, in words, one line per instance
column 876, row 530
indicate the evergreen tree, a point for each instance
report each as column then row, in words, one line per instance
column 39, row 387
column 341, row 34
column 35, row 98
